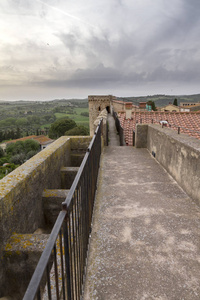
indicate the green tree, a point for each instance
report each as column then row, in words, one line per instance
column 175, row 102
column 1, row 152
column 7, row 122
column 21, row 122
column 152, row 104
column 59, row 127
column 18, row 159
column 79, row 130
column 31, row 145
column 15, row 148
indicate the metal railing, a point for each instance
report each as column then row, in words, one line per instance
column 61, row 269
column 119, row 129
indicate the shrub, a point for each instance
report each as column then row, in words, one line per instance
column 78, row 130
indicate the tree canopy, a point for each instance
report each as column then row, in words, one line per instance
column 23, row 148
column 59, row 127
column 153, row 106
column 175, row 102
column 78, row 130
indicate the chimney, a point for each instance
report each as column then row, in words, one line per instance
column 128, row 109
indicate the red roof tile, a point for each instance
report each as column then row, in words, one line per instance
column 189, row 122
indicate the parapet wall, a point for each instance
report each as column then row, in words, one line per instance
column 21, row 190
column 103, row 115
column 179, row 154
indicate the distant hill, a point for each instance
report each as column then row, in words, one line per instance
column 162, row 100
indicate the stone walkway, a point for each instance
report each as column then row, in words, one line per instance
column 113, row 136
column 145, row 240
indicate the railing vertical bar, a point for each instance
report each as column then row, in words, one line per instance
column 38, row 294
column 71, row 255
column 48, row 282
column 79, row 211
column 74, row 251
column 77, row 243
column 67, row 259
column 62, row 264
column 56, row 271
column 84, row 228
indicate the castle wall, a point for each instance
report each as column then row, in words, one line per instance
column 21, row 191
column 96, row 105
column 179, row 154
column 118, row 106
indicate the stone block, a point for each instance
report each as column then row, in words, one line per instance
column 68, row 175
column 52, row 204
column 21, row 254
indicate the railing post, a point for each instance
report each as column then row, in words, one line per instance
column 179, row 130
column 67, row 258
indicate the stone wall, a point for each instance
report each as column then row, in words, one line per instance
column 103, row 115
column 96, row 105
column 21, row 191
column 118, row 106
column 179, row 154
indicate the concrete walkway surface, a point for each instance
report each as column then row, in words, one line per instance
column 112, row 135
column 145, row 241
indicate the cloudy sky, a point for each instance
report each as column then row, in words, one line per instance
column 73, row 48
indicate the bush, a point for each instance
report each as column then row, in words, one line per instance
column 4, row 160
column 31, row 154
column 18, row 159
column 1, row 152
column 31, row 145
column 15, row 148
column 78, row 130
column 59, row 127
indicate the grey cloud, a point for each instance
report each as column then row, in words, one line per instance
column 87, row 78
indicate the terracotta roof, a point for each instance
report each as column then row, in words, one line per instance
column 42, row 139
column 189, row 122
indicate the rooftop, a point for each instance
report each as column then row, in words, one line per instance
column 189, row 122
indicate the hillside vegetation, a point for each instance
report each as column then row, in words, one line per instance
column 162, row 100
column 23, row 118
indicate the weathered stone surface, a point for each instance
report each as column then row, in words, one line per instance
column 68, row 175
column 141, row 136
column 179, row 154
column 52, row 204
column 21, row 254
column 76, row 158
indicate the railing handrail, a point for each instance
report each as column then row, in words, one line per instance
column 34, row 285
column 67, row 202
column 119, row 128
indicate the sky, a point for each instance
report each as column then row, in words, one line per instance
column 55, row 49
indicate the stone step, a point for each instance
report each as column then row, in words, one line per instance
column 52, row 204
column 68, row 175
column 21, row 254
column 76, row 158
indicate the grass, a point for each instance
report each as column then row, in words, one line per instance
column 80, row 120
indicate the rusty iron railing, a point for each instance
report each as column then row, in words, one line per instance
column 61, row 269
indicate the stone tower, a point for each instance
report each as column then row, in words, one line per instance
column 96, row 105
